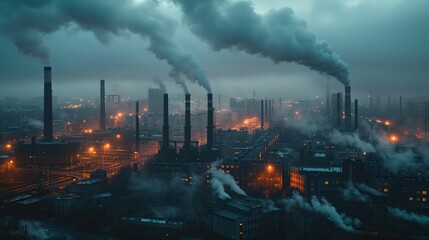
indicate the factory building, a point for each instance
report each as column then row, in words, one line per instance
column 317, row 181
column 244, row 219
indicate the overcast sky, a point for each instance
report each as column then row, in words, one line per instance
column 385, row 44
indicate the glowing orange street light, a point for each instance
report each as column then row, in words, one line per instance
column 270, row 168
column 394, row 138
column 8, row 146
column 387, row 123
column 118, row 136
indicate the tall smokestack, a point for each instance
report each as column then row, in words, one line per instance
column 266, row 110
column 187, row 121
column 137, row 128
column 400, row 106
column 280, row 103
column 388, row 106
column 339, row 112
column 47, row 110
column 347, row 108
column 328, row 100
column 102, row 106
column 356, row 115
column 269, row 111
column 165, row 127
column 262, row 114
column 210, row 125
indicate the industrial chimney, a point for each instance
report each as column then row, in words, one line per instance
column 47, row 110
column 356, row 115
column 266, row 110
column 187, row 121
column 328, row 100
column 347, row 109
column 165, row 127
column 262, row 114
column 339, row 112
column 137, row 128
column 210, row 121
column 270, row 112
column 102, row 106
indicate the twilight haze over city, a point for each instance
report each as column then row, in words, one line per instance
column 214, row 119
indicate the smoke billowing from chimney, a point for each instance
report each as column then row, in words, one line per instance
column 409, row 216
column 160, row 83
column 277, row 34
column 47, row 110
column 176, row 76
column 226, row 180
column 124, row 16
column 324, row 208
column 351, row 193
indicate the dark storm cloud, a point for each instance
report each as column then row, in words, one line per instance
column 26, row 23
column 277, row 34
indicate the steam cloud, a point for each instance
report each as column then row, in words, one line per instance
column 409, row 216
column 324, row 208
column 176, row 76
column 350, row 139
column 221, row 179
column 277, row 34
column 35, row 123
column 27, row 22
column 351, row 193
column 367, row 189
column 160, row 83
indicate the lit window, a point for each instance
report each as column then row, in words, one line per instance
column 410, row 198
column 424, row 199
column 326, row 182
column 385, row 190
column 424, row 192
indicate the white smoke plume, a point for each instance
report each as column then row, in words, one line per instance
column 350, row 139
column 217, row 186
column 394, row 159
column 160, row 83
column 35, row 123
column 176, row 76
column 225, row 180
column 324, row 208
column 277, row 34
column 409, row 216
column 367, row 189
column 309, row 125
column 25, row 23
column 351, row 193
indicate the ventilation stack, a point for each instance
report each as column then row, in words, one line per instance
column 347, row 109
column 210, row 121
column 165, row 127
column 47, row 110
column 187, row 144
column 102, row 106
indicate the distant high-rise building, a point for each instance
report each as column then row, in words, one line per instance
column 417, row 119
column 155, row 101
column 112, row 102
column 337, row 109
